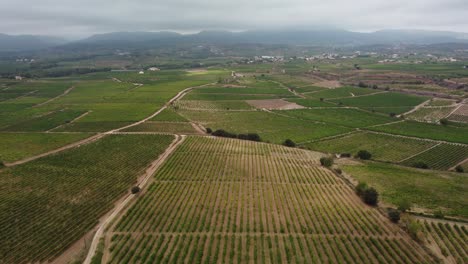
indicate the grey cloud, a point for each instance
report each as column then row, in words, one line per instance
column 81, row 18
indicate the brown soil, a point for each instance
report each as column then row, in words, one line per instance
column 274, row 104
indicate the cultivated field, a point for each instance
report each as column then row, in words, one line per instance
column 231, row 201
column 50, row 203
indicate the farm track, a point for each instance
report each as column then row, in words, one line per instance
column 71, row 122
column 144, row 179
column 100, row 135
column 57, row 97
column 416, row 108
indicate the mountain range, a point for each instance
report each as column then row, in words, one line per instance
column 287, row 37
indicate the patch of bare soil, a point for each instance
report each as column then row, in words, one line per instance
column 274, row 104
column 328, row 84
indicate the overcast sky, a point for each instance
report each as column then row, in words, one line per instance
column 80, row 18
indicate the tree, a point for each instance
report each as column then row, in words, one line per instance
column 444, row 121
column 362, row 84
column 326, row 161
column 404, row 205
column 135, row 189
column 289, row 143
column 2, row 164
column 360, row 188
column 394, row 215
column 364, row 155
column 371, row 196
column 209, row 130
column 420, row 165
column 458, row 168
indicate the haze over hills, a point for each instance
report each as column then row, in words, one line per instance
column 328, row 37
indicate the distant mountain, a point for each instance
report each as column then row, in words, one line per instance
column 130, row 37
column 332, row 37
column 27, row 42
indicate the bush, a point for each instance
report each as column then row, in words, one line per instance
column 360, row 188
column 414, row 229
column 339, row 171
column 223, row 133
column 459, row 168
column 394, row 215
column 2, row 164
column 392, row 114
column 370, row 196
column 345, row 155
column 209, row 130
column 326, row 161
column 439, row 214
column 289, row 143
column 420, row 165
column 404, row 205
column 362, row 85
column 364, row 155
column 135, row 189
column 444, row 121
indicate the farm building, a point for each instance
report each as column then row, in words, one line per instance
column 141, row 72
column 154, row 69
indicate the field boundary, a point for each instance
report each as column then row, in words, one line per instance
column 149, row 172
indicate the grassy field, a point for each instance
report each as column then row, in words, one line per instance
column 441, row 157
column 164, row 127
column 384, row 102
column 424, row 130
column 344, row 117
column 426, row 190
column 49, row 203
column 382, row 147
column 226, row 201
column 271, row 127
column 16, row 146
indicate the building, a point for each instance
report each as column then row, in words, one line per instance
column 19, row 78
column 141, row 72
column 154, row 69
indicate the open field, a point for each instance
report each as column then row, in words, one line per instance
column 424, row 130
column 163, row 127
column 382, row 147
column 384, row 102
column 340, row 116
column 426, row 190
column 225, row 201
column 49, row 203
column 16, row 146
column 273, row 127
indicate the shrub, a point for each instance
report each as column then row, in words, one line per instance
column 439, row 214
column 404, row 205
column 392, row 114
column 414, row 229
column 223, row 133
column 394, row 215
column 209, row 130
column 362, row 84
column 321, row 99
column 289, row 143
column 459, row 168
column 339, row 171
column 370, row 196
column 326, row 161
column 345, row 155
column 420, row 165
column 135, row 189
column 364, row 154
column 444, row 121
column 2, row 164
column 360, row 188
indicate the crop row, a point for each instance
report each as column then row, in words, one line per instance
column 49, row 203
column 241, row 190
column 441, row 157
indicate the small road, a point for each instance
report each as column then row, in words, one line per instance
column 122, row 205
column 57, row 97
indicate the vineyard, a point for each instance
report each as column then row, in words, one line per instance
column 50, row 203
column 163, row 127
column 382, row 147
column 441, row 157
column 450, row 239
column 430, row 114
column 231, row 201
column 461, row 114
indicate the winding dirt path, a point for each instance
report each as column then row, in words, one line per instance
column 121, row 206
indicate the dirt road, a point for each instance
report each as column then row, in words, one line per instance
column 121, row 206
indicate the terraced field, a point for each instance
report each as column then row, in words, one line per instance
column 226, row 201
column 441, row 157
column 50, row 203
column 382, row 147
